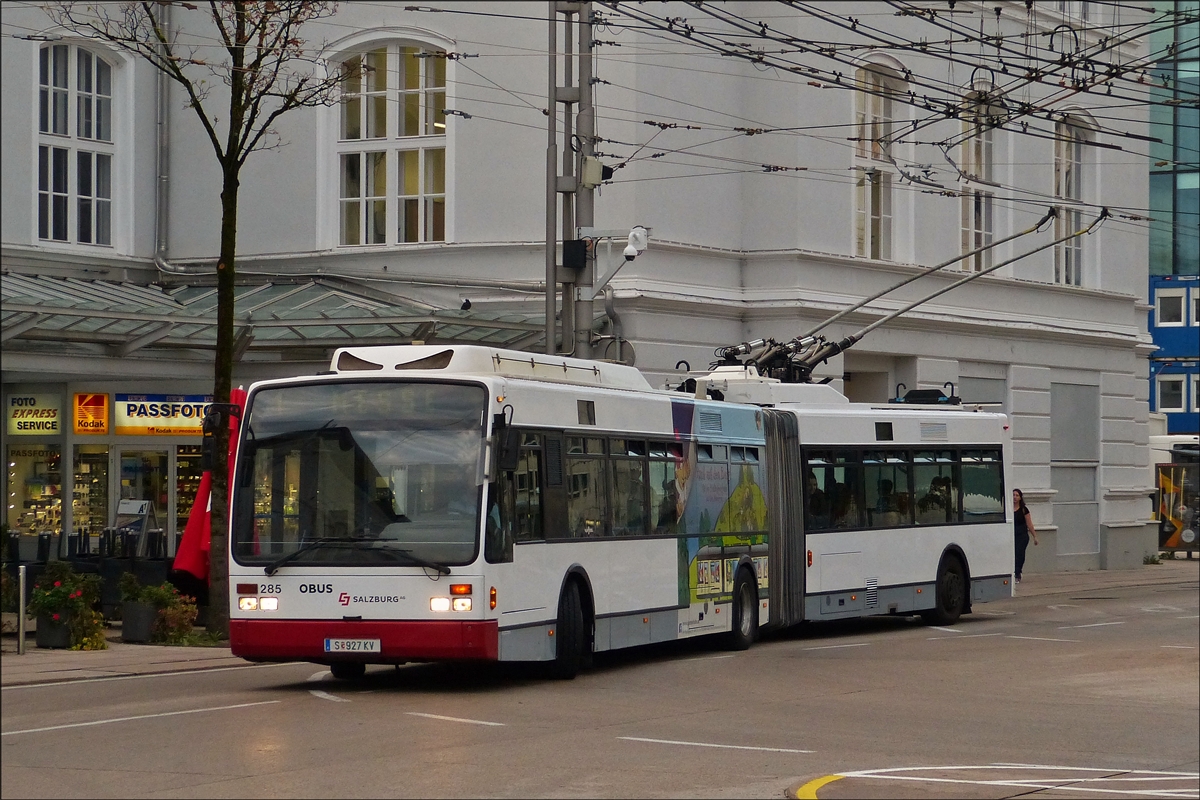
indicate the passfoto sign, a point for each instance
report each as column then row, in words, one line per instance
column 160, row 414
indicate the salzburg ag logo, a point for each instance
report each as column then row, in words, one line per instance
column 344, row 599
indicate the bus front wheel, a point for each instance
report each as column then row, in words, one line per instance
column 745, row 611
column 569, row 638
column 950, row 599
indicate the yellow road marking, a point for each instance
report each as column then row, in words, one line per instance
column 809, row 790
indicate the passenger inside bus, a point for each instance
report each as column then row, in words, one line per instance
column 816, row 504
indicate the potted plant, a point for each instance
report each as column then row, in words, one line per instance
column 138, row 615
column 64, row 603
column 156, row 613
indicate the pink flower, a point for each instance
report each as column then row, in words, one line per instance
column 56, row 617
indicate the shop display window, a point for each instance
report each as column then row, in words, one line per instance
column 90, row 492
column 189, row 468
column 34, row 489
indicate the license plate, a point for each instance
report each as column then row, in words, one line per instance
column 352, row 646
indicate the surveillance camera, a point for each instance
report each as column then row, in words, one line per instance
column 630, row 252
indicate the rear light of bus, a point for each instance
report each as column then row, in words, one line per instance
column 248, row 604
column 460, row 588
column 492, row 599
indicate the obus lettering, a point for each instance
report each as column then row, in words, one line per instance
column 316, row 588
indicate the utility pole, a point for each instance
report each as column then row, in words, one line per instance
column 576, row 200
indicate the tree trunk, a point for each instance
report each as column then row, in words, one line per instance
column 218, row 593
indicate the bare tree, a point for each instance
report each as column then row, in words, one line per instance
column 267, row 70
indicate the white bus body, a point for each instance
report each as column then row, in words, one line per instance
column 427, row 503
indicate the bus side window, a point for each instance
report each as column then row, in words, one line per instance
column 526, row 489
column 664, row 492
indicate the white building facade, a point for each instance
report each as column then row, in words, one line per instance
column 770, row 200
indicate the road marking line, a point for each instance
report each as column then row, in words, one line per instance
column 454, row 719
column 1179, row 646
column 327, row 696
column 708, row 744
column 147, row 675
column 704, row 658
column 836, row 646
column 1043, row 639
column 1193, row 616
column 140, row 716
column 319, row 676
column 809, row 790
column 947, row 630
column 967, row 636
column 1091, row 625
column 1063, row 784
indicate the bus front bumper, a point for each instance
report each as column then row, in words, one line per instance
column 304, row 640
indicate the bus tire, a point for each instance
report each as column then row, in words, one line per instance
column 569, row 638
column 950, row 598
column 744, row 611
column 348, row 670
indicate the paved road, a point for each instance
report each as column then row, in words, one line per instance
column 1086, row 693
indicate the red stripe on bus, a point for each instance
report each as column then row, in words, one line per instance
column 304, row 640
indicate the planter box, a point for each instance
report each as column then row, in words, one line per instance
column 51, row 634
column 137, row 622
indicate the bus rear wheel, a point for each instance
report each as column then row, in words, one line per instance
column 348, row 670
column 745, row 611
column 569, row 638
column 950, row 599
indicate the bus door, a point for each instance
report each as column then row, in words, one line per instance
column 785, row 518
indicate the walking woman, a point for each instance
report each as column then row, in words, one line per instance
column 1022, row 530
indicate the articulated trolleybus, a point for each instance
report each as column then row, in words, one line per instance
column 420, row 503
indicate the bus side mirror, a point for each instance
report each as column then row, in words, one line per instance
column 508, row 444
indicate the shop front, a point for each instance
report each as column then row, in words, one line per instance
column 96, row 471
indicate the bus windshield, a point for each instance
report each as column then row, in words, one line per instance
column 360, row 474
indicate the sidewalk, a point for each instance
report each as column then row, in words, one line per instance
column 48, row 666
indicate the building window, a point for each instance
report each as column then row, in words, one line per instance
column 982, row 115
column 976, row 228
column 1169, row 311
column 1195, row 392
column 874, row 116
column 1068, row 190
column 392, row 147
column 873, row 112
column 75, row 146
column 873, row 214
column 1170, row 393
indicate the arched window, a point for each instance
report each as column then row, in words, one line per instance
column 982, row 112
column 75, row 146
column 874, row 115
column 1069, row 141
column 391, row 146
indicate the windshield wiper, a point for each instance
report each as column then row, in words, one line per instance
column 407, row 555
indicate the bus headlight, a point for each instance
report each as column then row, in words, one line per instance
column 247, row 603
column 439, row 604
column 462, row 604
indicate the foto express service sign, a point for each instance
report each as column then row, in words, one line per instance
column 160, row 414
column 33, row 414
